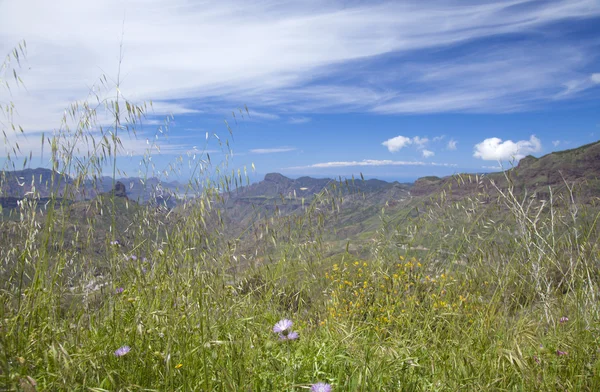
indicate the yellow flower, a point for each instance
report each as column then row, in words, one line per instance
column 179, row 366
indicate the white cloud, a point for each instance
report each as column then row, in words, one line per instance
column 271, row 150
column 427, row 153
column 492, row 167
column 451, row 145
column 397, row 143
column 373, row 162
column 595, row 77
column 438, row 138
column 556, row 143
column 494, row 149
column 270, row 53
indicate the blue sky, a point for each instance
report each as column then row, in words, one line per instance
column 390, row 89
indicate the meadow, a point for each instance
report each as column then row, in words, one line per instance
column 503, row 298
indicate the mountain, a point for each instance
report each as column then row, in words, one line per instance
column 578, row 168
column 19, row 183
column 346, row 208
column 15, row 185
column 339, row 213
column 277, row 185
column 356, row 210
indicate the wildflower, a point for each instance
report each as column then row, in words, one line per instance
column 320, row 387
column 133, row 257
column 536, row 359
column 179, row 366
column 122, row 351
column 561, row 353
column 115, row 243
column 119, row 290
column 563, row 320
column 283, row 326
column 289, row 336
column 283, row 329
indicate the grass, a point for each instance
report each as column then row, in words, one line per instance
column 483, row 307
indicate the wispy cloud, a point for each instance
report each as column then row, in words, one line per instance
column 427, row 153
column 294, row 54
column 299, row 120
column 451, row 145
column 129, row 144
column 504, row 78
column 372, row 162
column 420, row 142
column 271, row 150
column 263, row 115
column 494, row 149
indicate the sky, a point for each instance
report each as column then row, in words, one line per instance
column 391, row 89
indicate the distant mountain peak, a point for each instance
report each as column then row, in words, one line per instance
column 120, row 190
column 276, row 177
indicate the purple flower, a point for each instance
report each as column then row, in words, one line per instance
column 283, row 327
column 320, row 387
column 133, row 257
column 563, row 320
column 561, row 353
column 119, row 290
column 115, row 243
column 122, row 351
column 536, row 359
column 289, row 336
